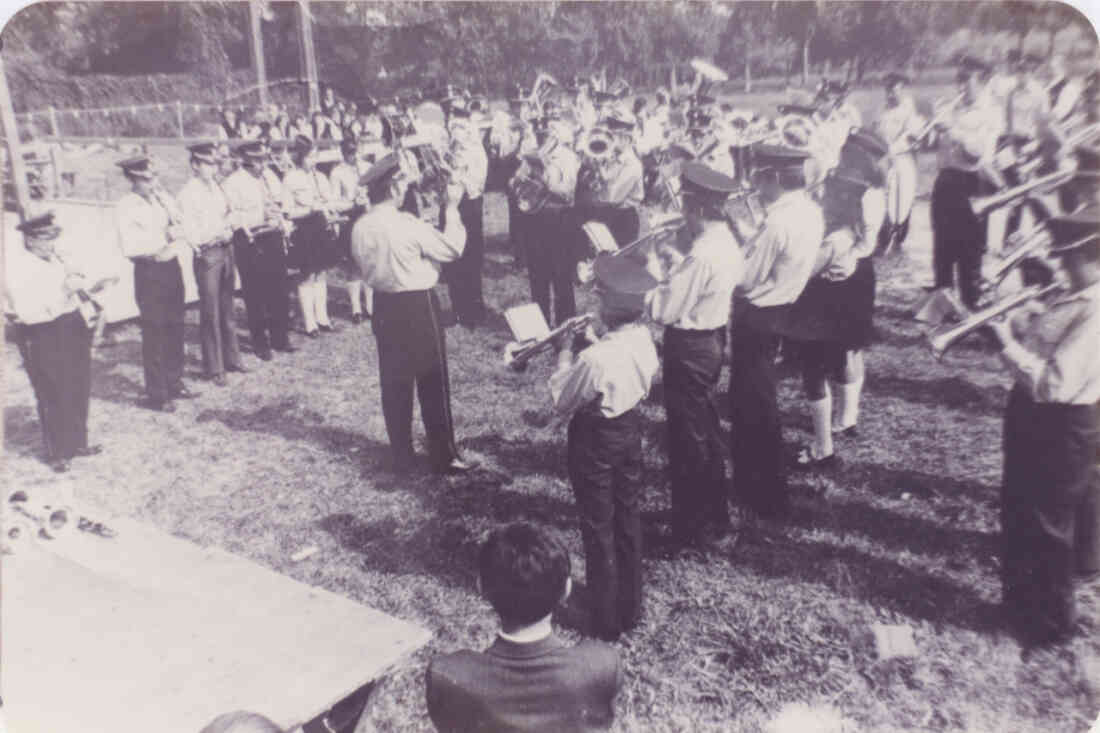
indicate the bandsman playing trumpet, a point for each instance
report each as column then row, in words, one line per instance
column 206, row 222
column 255, row 205
column 1051, row 442
column 549, row 175
column 692, row 302
column 601, row 387
column 967, row 148
column 151, row 234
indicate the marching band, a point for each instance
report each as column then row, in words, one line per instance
column 774, row 226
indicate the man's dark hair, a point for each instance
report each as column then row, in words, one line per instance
column 523, row 571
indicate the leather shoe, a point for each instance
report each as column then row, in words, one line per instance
column 313, row 334
column 237, row 368
column 89, row 450
column 285, row 348
column 160, row 406
column 456, row 466
column 805, row 461
column 183, row 393
column 60, row 465
column 265, row 354
column 356, row 318
column 219, row 380
column 327, row 328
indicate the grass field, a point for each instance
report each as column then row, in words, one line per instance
column 904, row 532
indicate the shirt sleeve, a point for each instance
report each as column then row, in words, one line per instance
column 873, row 205
column 672, row 300
column 445, row 246
column 574, row 386
column 134, row 238
column 1069, row 369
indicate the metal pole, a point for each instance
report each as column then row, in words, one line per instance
column 179, row 116
column 257, row 36
column 15, row 153
column 308, row 53
column 53, row 121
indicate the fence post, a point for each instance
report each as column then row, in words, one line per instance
column 179, row 116
column 53, row 121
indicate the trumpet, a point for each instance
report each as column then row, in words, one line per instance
column 517, row 354
column 982, row 205
column 940, row 340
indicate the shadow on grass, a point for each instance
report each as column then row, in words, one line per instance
column 881, row 479
column 954, row 393
column 869, row 579
column 23, row 432
column 521, row 456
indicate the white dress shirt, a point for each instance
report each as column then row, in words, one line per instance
column 781, row 259
column 972, row 133
column 617, row 370
column 1056, row 361
column 205, row 210
column 471, row 163
column 247, row 195
column 397, row 252
column 898, row 125
column 142, row 226
column 625, row 187
column 35, row 287
column 344, row 181
column 697, row 293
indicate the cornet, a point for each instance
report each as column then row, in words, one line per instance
column 518, row 353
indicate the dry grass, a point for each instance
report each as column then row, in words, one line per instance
column 904, row 532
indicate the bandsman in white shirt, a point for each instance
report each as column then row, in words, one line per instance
column 259, row 229
column 552, row 231
column 351, row 197
column 470, row 167
column 692, row 302
column 207, row 224
column 1052, row 440
column 152, row 234
column 399, row 256
column 899, row 125
column 614, row 195
column 778, row 263
column 44, row 297
column 967, row 150
column 601, row 388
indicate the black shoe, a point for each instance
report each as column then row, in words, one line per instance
column 852, row 431
column 219, row 380
column 805, row 461
column 183, row 393
column 265, row 354
column 456, row 467
column 159, row 405
column 285, row 348
column 327, row 328
column 313, row 334
column 356, row 318
column 60, row 465
column 89, row 450
column 237, row 368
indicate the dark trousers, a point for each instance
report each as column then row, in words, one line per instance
column 215, row 277
column 1050, row 462
column 958, row 237
column 464, row 274
column 696, row 456
column 756, row 439
column 58, row 358
column 412, row 353
column 552, row 262
column 264, row 282
column 605, row 468
column 158, row 290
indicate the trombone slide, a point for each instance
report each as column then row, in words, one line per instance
column 518, row 353
column 982, row 205
column 942, row 339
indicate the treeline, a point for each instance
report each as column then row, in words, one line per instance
column 387, row 47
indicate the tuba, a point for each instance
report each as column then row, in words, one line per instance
column 597, row 149
column 529, row 184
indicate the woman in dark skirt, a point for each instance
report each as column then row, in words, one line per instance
column 831, row 322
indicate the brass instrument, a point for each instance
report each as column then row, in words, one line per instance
column 1032, row 243
column 517, row 354
column 794, row 130
column 942, row 339
column 602, row 244
column 529, row 184
column 597, row 150
column 982, row 205
column 746, row 215
column 942, row 112
column 47, row 521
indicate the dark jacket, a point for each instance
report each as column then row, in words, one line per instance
column 541, row 686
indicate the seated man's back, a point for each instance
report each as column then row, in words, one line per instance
column 543, row 685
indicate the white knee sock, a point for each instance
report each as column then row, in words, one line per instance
column 355, row 295
column 821, row 411
column 320, row 303
column 305, row 302
column 848, row 407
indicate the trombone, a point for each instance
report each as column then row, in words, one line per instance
column 982, row 205
column 940, row 340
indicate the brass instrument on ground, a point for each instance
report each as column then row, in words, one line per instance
column 517, row 354
column 942, row 339
column 982, row 205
